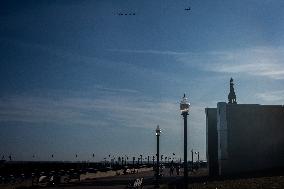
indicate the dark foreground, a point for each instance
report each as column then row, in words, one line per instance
column 197, row 180
column 276, row 182
column 264, row 180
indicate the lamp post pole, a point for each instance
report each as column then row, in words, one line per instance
column 158, row 152
column 192, row 160
column 158, row 131
column 141, row 159
column 197, row 158
column 184, row 108
column 185, row 145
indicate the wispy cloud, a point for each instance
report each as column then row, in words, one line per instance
column 258, row 61
column 272, row 96
column 102, row 110
column 148, row 52
column 107, row 109
column 255, row 61
column 115, row 90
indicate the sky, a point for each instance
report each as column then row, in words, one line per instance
column 78, row 78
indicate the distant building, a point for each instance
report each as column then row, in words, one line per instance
column 244, row 137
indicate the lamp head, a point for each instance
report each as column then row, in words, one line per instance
column 158, row 131
column 184, row 105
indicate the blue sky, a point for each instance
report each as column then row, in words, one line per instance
column 76, row 78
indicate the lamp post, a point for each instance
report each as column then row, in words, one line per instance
column 158, row 131
column 197, row 158
column 192, row 160
column 197, row 153
column 184, row 108
column 126, row 160
column 141, row 159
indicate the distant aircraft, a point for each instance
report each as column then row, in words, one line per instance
column 125, row 14
column 187, row 9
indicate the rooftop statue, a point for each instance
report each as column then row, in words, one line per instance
column 232, row 95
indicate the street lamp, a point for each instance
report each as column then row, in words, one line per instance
column 184, row 108
column 192, row 160
column 158, row 132
column 197, row 153
column 141, row 159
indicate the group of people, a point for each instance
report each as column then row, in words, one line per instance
column 172, row 168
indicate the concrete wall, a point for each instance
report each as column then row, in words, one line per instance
column 212, row 141
column 250, row 137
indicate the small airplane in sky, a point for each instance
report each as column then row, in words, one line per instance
column 187, row 9
column 125, row 14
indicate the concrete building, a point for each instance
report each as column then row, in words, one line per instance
column 212, row 141
column 244, row 138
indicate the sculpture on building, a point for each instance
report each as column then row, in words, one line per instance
column 232, row 95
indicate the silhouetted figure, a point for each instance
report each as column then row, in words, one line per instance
column 232, row 96
column 93, row 155
column 3, row 157
column 10, row 157
column 171, row 170
column 178, row 169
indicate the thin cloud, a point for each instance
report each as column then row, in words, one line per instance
column 266, row 62
column 259, row 61
column 272, row 96
column 148, row 52
column 130, row 111
column 115, row 90
column 255, row 61
column 106, row 110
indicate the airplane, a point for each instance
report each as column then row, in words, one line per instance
column 125, row 14
column 187, row 9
